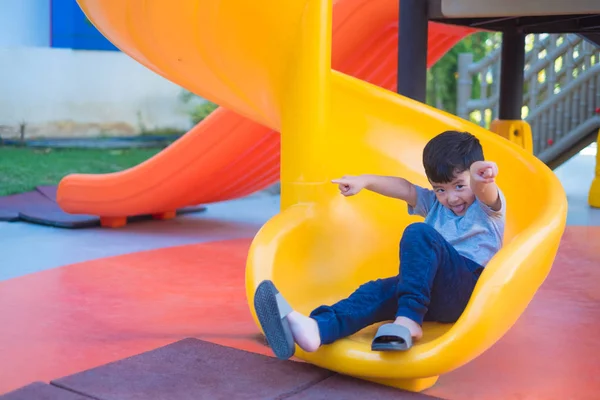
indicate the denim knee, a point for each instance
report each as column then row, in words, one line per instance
column 418, row 230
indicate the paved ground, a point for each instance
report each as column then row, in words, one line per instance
column 576, row 176
column 28, row 248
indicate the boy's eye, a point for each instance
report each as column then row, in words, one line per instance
column 439, row 190
column 460, row 186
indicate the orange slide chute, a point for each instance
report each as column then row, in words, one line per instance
column 227, row 155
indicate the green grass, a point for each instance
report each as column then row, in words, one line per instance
column 22, row 169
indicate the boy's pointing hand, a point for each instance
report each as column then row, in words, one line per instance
column 350, row 185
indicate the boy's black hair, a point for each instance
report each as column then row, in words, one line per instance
column 450, row 153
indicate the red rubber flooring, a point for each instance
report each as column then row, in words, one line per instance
column 65, row 320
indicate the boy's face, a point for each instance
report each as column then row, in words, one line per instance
column 456, row 195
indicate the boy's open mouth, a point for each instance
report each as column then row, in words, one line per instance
column 459, row 208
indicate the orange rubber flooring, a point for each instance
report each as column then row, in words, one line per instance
column 64, row 320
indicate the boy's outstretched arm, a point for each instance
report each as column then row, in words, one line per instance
column 483, row 183
column 389, row 186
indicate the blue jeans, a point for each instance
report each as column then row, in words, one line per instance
column 435, row 283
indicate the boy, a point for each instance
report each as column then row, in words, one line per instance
column 440, row 259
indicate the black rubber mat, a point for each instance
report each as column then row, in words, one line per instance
column 39, row 207
column 42, row 391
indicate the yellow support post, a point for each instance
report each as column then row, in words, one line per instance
column 516, row 131
column 306, row 108
column 594, row 194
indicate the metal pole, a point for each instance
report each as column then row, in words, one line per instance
column 412, row 49
column 511, row 75
column 465, row 85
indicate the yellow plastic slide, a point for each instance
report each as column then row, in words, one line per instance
column 270, row 61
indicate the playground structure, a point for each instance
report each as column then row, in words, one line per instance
column 321, row 246
column 563, row 90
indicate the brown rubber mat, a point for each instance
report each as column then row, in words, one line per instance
column 192, row 369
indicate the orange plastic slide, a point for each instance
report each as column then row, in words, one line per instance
column 227, row 155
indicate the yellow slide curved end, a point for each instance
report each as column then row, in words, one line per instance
column 318, row 252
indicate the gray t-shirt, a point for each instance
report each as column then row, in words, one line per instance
column 476, row 235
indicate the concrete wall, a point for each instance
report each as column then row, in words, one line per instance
column 70, row 93
column 62, row 78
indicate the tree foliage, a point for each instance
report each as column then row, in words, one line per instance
column 443, row 76
column 199, row 108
